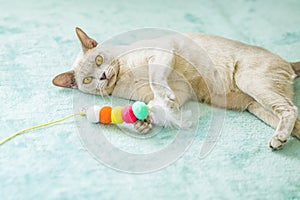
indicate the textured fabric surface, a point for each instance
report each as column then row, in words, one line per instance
column 38, row 41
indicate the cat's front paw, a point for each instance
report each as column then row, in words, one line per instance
column 144, row 126
column 168, row 100
column 171, row 102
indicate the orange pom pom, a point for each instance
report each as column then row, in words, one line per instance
column 105, row 115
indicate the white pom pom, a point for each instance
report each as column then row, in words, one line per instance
column 92, row 114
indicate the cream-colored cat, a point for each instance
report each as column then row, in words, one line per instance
column 217, row 71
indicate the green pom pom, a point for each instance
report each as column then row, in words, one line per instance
column 140, row 110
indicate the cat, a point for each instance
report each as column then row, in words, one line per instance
column 224, row 73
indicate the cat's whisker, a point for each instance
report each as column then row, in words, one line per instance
column 101, row 87
column 111, row 70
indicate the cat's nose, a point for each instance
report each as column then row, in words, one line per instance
column 103, row 77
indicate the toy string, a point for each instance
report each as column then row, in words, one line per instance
column 39, row 126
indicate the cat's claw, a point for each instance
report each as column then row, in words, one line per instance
column 144, row 126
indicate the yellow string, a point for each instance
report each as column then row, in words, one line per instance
column 39, row 126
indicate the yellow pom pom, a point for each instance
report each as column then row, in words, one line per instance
column 116, row 115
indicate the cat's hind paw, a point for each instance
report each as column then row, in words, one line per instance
column 144, row 126
column 277, row 142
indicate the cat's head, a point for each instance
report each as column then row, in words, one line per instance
column 95, row 70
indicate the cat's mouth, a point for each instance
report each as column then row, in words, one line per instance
column 103, row 77
column 107, row 81
column 107, row 86
column 111, row 80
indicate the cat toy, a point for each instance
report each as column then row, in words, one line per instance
column 117, row 115
column 104, row 115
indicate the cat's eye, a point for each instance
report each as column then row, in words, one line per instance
column 87, row 80
column 99, row 60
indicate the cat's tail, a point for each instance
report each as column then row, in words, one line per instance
column 296, row 67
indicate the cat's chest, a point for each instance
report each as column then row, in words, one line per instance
column 133, row 83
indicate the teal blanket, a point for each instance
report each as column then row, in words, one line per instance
column 38, row 42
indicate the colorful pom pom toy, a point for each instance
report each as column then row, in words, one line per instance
column 117, row 115
column 105, row 115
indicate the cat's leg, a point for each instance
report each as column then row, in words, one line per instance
column 272, row 100
column 166, row 102
column 160, row 67
column 265, row 115
column 270, row 118
column 287, row 113
column 164, row 99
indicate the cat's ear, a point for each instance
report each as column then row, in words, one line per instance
column 66, row 80
column 86, row 42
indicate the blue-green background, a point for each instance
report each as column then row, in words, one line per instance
column 37, row 41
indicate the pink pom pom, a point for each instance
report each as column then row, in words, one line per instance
column 128, row 115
